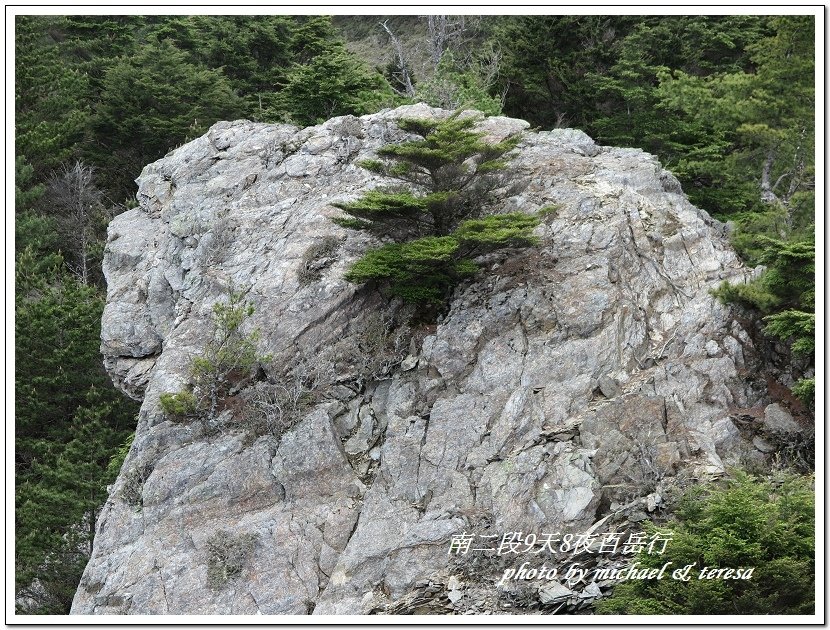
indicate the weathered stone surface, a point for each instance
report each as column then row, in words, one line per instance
column 776, row 418
column 554, row 592
column 762, row 445
column 496, row 416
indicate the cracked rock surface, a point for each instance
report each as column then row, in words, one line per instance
column 564, row 381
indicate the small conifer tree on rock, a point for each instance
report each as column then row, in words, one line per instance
column 435, row 217
column 229, row 358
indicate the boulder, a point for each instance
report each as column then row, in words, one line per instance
column 615, row 297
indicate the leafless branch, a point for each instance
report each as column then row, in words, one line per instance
column 78, row 205
column 402, row 76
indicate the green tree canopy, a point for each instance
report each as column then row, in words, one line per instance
column 764, row 524
column 68, row 421
column 253, row 52
column 153, row 101
column 50, row 109
column 761, row 125
column 784, row 295
column 333, row 83
column 452, row 169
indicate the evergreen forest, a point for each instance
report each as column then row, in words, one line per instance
column 727, row 103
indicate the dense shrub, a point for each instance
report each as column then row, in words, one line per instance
column 764, row 524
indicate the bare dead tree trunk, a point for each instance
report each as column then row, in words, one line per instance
column 81, row 216
column 490, row 66
column 442, row 30
column 437, row 28
column 767, row 194
column 77, row 204
column 402, row 76
column 93, row 518
column 446, row 33
column 798, row 168
column 795, row 174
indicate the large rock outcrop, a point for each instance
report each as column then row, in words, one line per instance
column 566, row 382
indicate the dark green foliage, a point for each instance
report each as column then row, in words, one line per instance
column 417, row 271
column 56, row 504
column 95, row 39
column 120, row 91
column 764, row 124
column 312, row 36
column 50, row 111
column 398, row 214
column 178, row 405
column 725, row 101
column 767, row 524
column 755, row 126
column 498, row 230
column 253, row 52
column 117, row 459
column 452, row 169
column 282, row 66
column 26, row 192
column 598, row 73
column 425, row 269
column 805, row 390
column 695, row 45
column 546, row 60
column 31, row 230
column 68, row 422
column 316, row 78
column 753, row 229
column 797, row 325
column 784, row 295
column 789, row 280
column 38, row 234
column 448, row 188
column 153, row 101
column 437, row 160
column 57, row 334
column 333, row 83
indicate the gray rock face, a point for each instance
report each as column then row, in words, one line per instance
column 584, row 373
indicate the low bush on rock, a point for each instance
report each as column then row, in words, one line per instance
column 229, row 358
column 226, row 557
